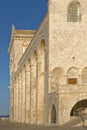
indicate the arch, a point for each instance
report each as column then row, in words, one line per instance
column 72, row 75
column 57, row 73
column 42, row 44
column 41, row 81
column 74, row 11
column 34, row 54
column 56, row 78
column 79, row 108
column 29, row 61
column 33, row 86
column 53, row 114
column 41, row 47
column 84, row 76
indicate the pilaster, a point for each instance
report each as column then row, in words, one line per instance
column 23, row 95
column 27, row 78
column 19, row 108
column 40, row 94
column 33, row 89
column 16, row 97
column 11, row 102
column 14, row 100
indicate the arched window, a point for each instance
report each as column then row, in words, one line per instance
column 53, row 114
column 56, row 78
column 72, row 76
column 74, row 12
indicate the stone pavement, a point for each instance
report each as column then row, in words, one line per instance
column 6, row 125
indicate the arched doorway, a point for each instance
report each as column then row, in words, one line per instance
column 53, row 114
column 79, row 108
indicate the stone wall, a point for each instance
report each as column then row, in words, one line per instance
column 67, row 49
column 56, row 54
column 29, row 78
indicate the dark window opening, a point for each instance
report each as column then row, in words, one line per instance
column 53, row 114
column 72, row 80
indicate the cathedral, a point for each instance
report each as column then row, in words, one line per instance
column 48, row 66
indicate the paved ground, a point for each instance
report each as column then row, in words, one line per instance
column 6, row 125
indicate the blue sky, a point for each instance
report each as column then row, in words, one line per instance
column 24, row 14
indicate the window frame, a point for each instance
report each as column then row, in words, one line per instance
column 72, row 81
column 74, row 14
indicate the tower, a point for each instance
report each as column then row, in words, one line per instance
column 67, row 60
column 20, row 39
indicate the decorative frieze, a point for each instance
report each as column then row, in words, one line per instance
column 22, row 37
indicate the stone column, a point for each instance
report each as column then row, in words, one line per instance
column 23, row 95
column 41, row 86
column 11, row 102
column 36, row 89
column 27, row 91
column 19, row 108
column 33, row 89
column 14, row 100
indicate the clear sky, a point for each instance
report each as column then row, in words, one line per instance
column 24, row 14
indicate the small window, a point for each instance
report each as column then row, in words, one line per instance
column 72, row 81
column 74, row 13
column 24, row 48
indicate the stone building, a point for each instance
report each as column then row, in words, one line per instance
column 48, row 66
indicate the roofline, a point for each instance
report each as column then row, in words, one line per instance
column 20, row 63
column 14, row 32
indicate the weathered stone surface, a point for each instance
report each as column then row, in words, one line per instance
column 53, row 68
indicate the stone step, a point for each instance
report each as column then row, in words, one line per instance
column 77, row 121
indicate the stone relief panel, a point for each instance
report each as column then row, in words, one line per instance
column 56, row 78
column 72, row 72
column 72, row 76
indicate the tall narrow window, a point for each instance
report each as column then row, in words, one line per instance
column 24, row 47
column 53, row 114
column 74, row 13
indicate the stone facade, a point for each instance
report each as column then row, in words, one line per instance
column 48, row 68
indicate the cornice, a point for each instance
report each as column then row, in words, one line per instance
column 22, row 37
column 33, row 41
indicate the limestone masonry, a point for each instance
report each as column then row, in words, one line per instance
column 48, row 66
